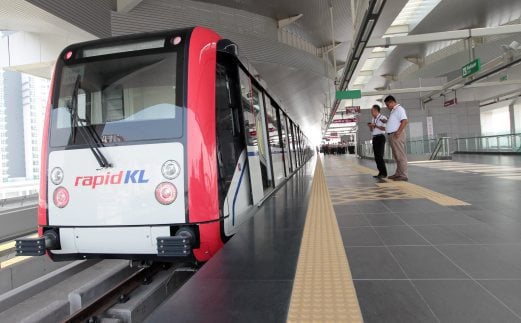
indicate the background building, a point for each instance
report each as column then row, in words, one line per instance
column 22, row 108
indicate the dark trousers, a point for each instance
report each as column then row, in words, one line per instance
column 378, row 149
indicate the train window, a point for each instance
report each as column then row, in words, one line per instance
column 275, row 143
column 289, row 145
column 113, row 97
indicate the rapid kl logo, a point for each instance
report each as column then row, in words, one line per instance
column 122, row 177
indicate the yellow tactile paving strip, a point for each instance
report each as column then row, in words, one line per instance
column 388, row 189
column 323, row 289
column 422, row 192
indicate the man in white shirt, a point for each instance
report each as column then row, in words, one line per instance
column 396, row 132
column 377, row 127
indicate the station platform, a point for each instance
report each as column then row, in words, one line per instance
column 335, row 244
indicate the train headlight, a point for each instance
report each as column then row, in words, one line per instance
column 166, row 193
column 60, row 197
column 56, row 176
column 170, row 169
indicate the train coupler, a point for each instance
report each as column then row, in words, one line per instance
column 179, row 245
column 30, row 246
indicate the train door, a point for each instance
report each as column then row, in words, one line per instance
column 287, row 145
column 299, row 146
column 259, row 105
column 292, row 145
column 282, row 135
column 277, row 157
column 257, row 162
column 235, row 195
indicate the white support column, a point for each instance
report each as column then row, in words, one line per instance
column 512, row 118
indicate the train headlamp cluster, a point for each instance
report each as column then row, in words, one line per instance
column 61, row 197
column 170, row 169
column 56, row 176
column 166, row 193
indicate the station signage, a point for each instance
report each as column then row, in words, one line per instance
column 347, row 120
column 353, row 94
column 353, row 110
column 471, row 68
column 448, row 103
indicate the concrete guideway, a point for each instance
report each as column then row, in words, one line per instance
column 67, row 288
column 17, row 221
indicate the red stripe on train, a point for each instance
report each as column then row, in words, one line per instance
column 203, row 199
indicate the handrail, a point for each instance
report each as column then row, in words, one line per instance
column 418, row 147
column 491, row 136
column 505, row 143
column 442, row 142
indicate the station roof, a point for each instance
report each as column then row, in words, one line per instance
column 290, row 44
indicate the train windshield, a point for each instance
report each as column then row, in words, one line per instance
column 118, row 100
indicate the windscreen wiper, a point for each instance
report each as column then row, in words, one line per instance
column 81, row 125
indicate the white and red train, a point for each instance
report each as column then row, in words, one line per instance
column 157, row 146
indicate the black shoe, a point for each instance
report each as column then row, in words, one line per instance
column 382, row 176
column 377, row 176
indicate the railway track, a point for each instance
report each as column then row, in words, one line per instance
column 93, row 291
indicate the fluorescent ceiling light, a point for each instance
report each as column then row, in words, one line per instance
column 359, row 50
column 414, row 12
column 367, row 30
column 372, row 64
column 408, row 18
column 377, row 7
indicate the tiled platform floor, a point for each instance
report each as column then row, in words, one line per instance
column 413, row 260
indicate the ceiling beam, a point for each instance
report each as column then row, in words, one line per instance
column 438, row 88
column 404, row 90
column 124, row 6
column 445, row 35
column 397, row 29
column 328, row 48
column 281, row 23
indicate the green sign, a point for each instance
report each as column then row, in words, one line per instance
column 471, row 68
column 354, row 94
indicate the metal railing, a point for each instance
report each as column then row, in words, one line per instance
column 366, row 150
column 430, row 148
column 420, row 146
column 498, row 143
column 442, row 149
